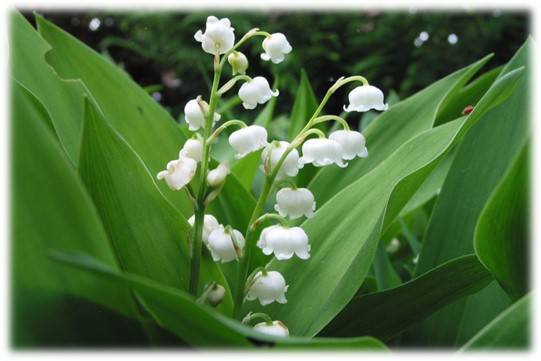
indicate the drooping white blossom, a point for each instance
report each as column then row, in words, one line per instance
column 268, row 287
column 210, row 223
column 273, row 152
column 365, row 97
column 321, row 152
column 352, row 142
column 179, row 172
column 238, row 62
column 215, row 295
column 275, row 46
column 284, row 242
column 225, row 245
column 256, row 91
column 216, row 177
column 219, row 36
column 247, row 140
column 276, row 328
column 193, row 148
column 194, row 115
column 295, row 203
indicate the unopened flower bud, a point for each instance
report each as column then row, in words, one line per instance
column 179, row 172
column 195, row 115
column 284, row 242
column 193, row 148
column 352, row 142
column 219, row 36
column 295, row 203
column 216, row 177
column 268, row 287
column 273, row 152
column 275, row 47
column 276, row 328
column 365, row 97
column 225, row 244
column 322, row 152
column 215, row 295
column 247, row 140
column 210, row 223
column 256, row 91
column 238, row 62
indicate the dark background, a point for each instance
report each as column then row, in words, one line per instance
column 158, row 49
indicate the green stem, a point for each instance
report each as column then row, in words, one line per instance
column 268, row 216
column 326, row 118
column 200, row 209
column 222, row 127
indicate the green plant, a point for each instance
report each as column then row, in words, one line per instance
column 398, row 254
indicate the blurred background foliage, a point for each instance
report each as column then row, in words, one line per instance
column 401, row 52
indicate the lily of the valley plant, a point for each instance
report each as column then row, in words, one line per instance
column 280, row 160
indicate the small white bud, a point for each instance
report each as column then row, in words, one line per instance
column 247, row 140
column 275, row 47
column 273, row 152
column 179, row 172
column 276, row 328
column 210, row 223
column 365, row 97
column 238, row 62
column 284, row 242
column 193, row 148
column 215, row 295
column 216, row 177
column 352, row 142
column 195, row 116
column 322, row 152
column 268, row 287
column 256, row 91
column 219, row 36
column 225, row 245
column 295, row 203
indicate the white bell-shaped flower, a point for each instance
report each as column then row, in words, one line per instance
column 194, row 115
column 225, row 244
column 256, row 91
column 322, row 152
column 193, row 148
column 268, row 287
column 352, row 142
column 284, row 242
column 295, row 203
column 275, row 46
column 179, row 172
column 276, row 328
column 210, row 223
column 219, row 36
column 216, row 177
column 273, row 152
column 365, row 97
column 247, row 140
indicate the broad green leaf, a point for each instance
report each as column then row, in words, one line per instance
column 389, row 131
column 386, row 275
column 62, row 99
column 502, row 232
column 199, row 324
column 478, row 166
column 304, row 106
column 509, row 330
column 468, row 95
column 386, row 313
column 144, row 124
column 149, row 235
column 51, row 210
column 345, row 231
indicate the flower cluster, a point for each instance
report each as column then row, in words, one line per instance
column 280, row 161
